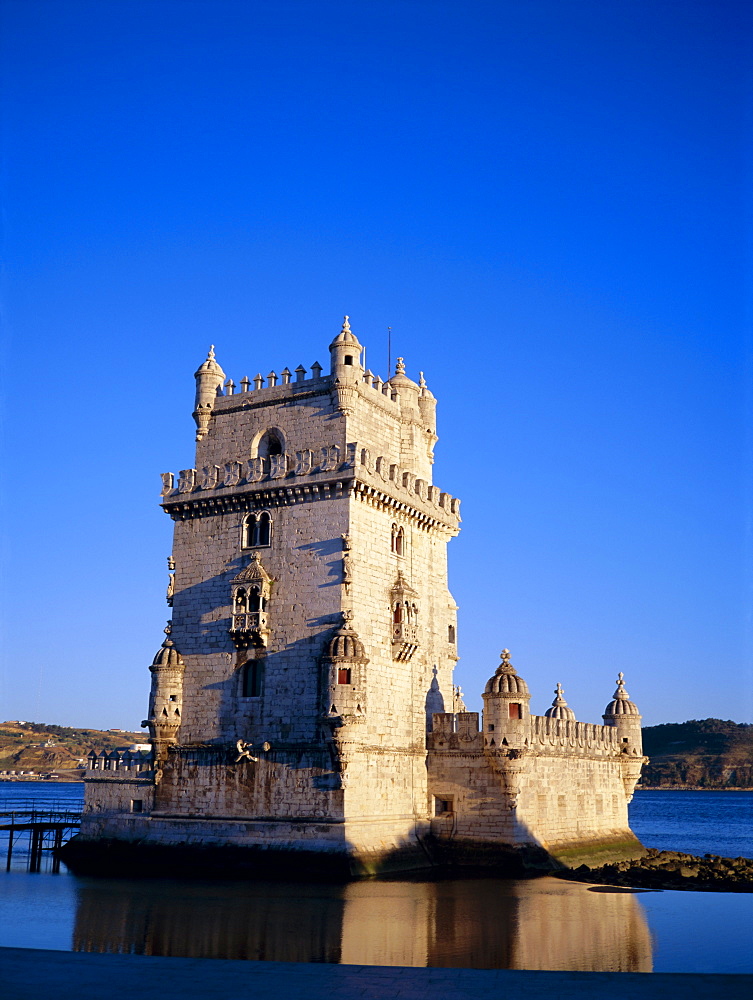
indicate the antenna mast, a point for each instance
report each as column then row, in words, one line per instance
column 389, row 351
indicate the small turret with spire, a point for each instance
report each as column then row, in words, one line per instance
column 623, row 714
column 346, row 370
column 345, row 354
column 209, row 380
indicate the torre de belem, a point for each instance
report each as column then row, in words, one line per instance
column 302, row 714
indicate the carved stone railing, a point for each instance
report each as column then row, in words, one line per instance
column 404, row 641
column 250, row 628
column 120, row 760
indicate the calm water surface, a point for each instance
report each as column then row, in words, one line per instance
column 484, row 923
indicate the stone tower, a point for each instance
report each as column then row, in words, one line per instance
column 310, row 615
column 302, row 712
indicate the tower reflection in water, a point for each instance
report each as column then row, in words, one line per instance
column 483, row 924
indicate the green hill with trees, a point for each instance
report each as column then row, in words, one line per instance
column 35, row 746
column 705, row 753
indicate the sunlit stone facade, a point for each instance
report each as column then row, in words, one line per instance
column 302, row 706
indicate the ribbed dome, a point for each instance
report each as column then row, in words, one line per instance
column 210, row 366
column 621, row 703
column 506, row 680
column 345, row 336
column 167, row 656
column 560, row 709
column 345, row 645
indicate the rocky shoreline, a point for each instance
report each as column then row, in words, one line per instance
column 671, row 870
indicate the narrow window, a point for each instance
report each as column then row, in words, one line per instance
column 451, row 634
column 249, row 526
column 254, row 603
column 397, row 614
column 343, row 675
column 263, row 524
column 252, row 675
column 394, row 537
column 400, row 542
column 515, row 710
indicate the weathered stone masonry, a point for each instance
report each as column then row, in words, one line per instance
column 303, row 700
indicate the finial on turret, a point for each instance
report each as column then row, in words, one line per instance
column 400, row 366
column 210, row 355
column 560, row 709
column 421, row 381
column 621, row 705
column 346, row 325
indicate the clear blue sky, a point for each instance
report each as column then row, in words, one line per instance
column 545, row 200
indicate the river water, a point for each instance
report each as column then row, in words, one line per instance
column 485, row 923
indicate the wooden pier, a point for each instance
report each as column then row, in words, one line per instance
column 44, row 828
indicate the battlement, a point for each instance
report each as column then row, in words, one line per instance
column 254, row 391
column 377, row 475
column 536, row 733
column 262, row 389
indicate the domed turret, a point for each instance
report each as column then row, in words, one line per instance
column 427, row 404
column 506, row 705
column 623, row 714
column 166, row 697
column 209, row 378
column 345, row 353
column 344, row 663
column 560, row 708
column 408, row 391
column 506, row 680
column 345, row 645
column 620, row 705
column 167, row 657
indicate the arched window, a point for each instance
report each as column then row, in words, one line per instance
column 253, row 671
column 257, row 530
column 398, row 540
column 397, row 614
column 271, row 443
column 263, row 524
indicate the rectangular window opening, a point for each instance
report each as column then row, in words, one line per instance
column 515, row 712
column 343, row 675
column 442, row 806
column 137, row 805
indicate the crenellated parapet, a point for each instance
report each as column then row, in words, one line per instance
column 376, row 479
column 535, row 734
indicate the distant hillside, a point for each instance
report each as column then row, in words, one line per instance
column 706, row 753
column 33, row 746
